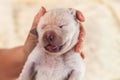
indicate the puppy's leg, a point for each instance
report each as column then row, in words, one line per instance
column 75, row 75
column 27, row 72
column 74, row 61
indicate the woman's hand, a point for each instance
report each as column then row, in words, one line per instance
column 32, row 37
column 12, row 60
column 78, row 47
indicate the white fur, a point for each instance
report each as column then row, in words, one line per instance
column 65, row 66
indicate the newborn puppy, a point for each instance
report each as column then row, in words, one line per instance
column 54, row 57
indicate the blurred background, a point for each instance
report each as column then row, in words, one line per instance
column 102, row 42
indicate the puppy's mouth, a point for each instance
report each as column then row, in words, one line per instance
column 53, row 48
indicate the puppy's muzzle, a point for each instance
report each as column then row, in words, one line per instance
column 52, row 42
column 49, row 36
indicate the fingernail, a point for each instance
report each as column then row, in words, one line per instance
column 83, row 18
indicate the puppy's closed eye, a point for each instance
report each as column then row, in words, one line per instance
column 61, row 26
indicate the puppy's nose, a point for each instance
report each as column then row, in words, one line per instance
column 49, row 36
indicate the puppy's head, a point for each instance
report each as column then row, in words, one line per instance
column 58, row 31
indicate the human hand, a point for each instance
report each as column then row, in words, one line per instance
column 32, row 37
column 12, row 60
column 78, row 46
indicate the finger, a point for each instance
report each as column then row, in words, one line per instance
column 36, row 20
column 32, row 37
column 80, row 16
column 82, row 33
column 37, row 17
column 82, row 55
column 78, row 46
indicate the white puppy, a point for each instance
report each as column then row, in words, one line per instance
column 54, row 57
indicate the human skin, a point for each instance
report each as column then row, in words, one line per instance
column 12, row 60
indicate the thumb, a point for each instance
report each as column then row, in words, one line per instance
column 32, row 37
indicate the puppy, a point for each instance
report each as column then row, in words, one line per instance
column 54, row 57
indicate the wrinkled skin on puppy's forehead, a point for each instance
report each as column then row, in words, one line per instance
column 60, row 16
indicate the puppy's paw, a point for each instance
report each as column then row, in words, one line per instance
column 75, row 75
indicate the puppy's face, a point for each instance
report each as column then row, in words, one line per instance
column 58, row 31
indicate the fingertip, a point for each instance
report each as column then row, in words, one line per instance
column 38, row 16
column 80, row 16
column 82, row 55
column 42, row 10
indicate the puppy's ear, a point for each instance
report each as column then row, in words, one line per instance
column 72, row 11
